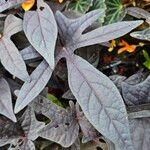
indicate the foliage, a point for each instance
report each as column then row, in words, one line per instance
column 46, row 54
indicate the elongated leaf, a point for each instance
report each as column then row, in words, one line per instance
column 32, row 88
column 29, row 53
column 81, row 6
column 108, row 32
column 41, row 30
column 6, row 101
column 5, row 4
column 142, row 35
column 74, row 27
column 114, row 12
column 101, row 103
column 138, row 13
column 12, row 60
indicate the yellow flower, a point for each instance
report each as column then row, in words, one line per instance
column 60, row 1
column 112, row 45
column 28, row 4
column 126, row 47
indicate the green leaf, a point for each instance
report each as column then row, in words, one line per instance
column 99, row 4
column 81, row 6
column 54, row 99
column 115, row 11
column 147, row 58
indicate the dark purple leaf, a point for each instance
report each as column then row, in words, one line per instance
column 140, row 133
column 31, row 128
column 138, row 93
column 5, row 100
column 88, row 131
column 138, row 13
column 68, row 95
column 117, row 80
column 10, row 131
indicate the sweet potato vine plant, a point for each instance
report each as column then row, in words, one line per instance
column 43, row 48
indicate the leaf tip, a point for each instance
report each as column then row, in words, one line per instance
column 14, row 119
column 138, row 22
column 17, row 108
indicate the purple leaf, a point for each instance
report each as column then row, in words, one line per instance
column 5, row 4
column 138, row 13
column 138, row 93
column 12, row 25
column 30, row 125
column 28, row 145
column 12, row 60
column 142, row 35
column 68, row 95
column 88, row 131
column 5, row 100
column 10, row 131
column 9, row 54
column 41, row 30
column 71, row 30
column 140, row 133
column 101, row 103
column 31, row 88
column 117, row 80
column 138, row 77
column 64, row 125
column 29, row 53
column 135, row 92
column 107, row 33
column 63, row 128
column 30, row 128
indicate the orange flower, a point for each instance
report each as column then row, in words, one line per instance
column 28, row 4
column 126, row 47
